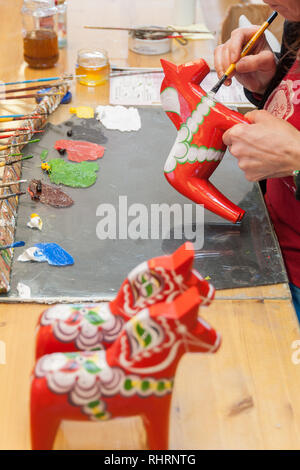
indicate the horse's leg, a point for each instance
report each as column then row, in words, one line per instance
column 45, row 416
column 156, row 421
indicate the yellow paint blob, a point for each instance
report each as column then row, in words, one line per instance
column 45, row 166
column 85, row 112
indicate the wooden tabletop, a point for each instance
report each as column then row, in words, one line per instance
column 244, row 397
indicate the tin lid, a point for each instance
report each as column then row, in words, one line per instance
column 150, row 35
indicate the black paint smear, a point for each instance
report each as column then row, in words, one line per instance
column 89, row 130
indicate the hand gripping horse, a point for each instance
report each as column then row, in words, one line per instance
column 198, row 150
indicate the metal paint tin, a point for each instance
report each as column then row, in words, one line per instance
column 149, row 43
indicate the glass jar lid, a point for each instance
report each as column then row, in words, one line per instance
column 39, row 7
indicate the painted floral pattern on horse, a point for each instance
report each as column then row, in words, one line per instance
column 142, row 360
column 87, row 378
column 184, row 150
column 133, row 376
column 96, row 326
column 89, row 326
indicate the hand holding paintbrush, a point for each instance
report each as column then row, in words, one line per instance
column 253, row 71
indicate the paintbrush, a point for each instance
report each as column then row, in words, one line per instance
column 12, row 245
column 134, row 72
column 5, row 147
column 27, row 157
column 29, row 88
column 6, row 136
column 49, row 79
column 11, row 155
column 248, row 47
column 21, row 117
column 7, row 196
column 154, row 29
column 12, row 183
column 13, row 129
column 30, row 95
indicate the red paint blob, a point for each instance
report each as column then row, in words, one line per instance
column 79, row 150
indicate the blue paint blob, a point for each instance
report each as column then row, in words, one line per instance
column 17, row 244
column 65, row 100
column 54, row 254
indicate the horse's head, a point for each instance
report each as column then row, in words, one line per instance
column 175, row 94
column 153, row 341
column 160, row 279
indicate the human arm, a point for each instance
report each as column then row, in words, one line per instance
column 267, row 148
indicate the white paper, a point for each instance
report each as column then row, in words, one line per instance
column 144, row 90
column 136, row 90
column 23, row 291
column 228, row 95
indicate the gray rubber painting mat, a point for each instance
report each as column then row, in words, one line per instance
column 132, row 166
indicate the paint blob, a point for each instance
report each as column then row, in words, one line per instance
column 51, row 253
column 35, row 222
column 119, row 118
column 48, row 194
column 80, row 175
column 85, row 112
column 79, row 150
column 44, row 155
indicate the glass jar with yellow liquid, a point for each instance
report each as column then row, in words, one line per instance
column 94, row 65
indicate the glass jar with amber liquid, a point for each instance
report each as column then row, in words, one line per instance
column 40, row 33
column 93, row 67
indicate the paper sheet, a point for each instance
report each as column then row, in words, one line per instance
column 232, row 95
column 136, row 90
column 144, row 90
column 196, row 27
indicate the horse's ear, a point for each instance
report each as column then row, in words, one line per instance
column 193, row 72
column 205, row 289
column 183, row 308
column 181, row 261
column 169, row 68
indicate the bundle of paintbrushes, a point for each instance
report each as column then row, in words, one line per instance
column 50, row 93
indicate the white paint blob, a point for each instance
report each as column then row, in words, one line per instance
column 119, row 118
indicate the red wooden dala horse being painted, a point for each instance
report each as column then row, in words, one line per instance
column 198, row 150
column 134, row 374
column 67, row 328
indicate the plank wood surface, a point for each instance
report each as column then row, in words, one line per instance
column 244, row 397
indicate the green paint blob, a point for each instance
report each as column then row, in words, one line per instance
column 44, row 155
column 77, row 175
